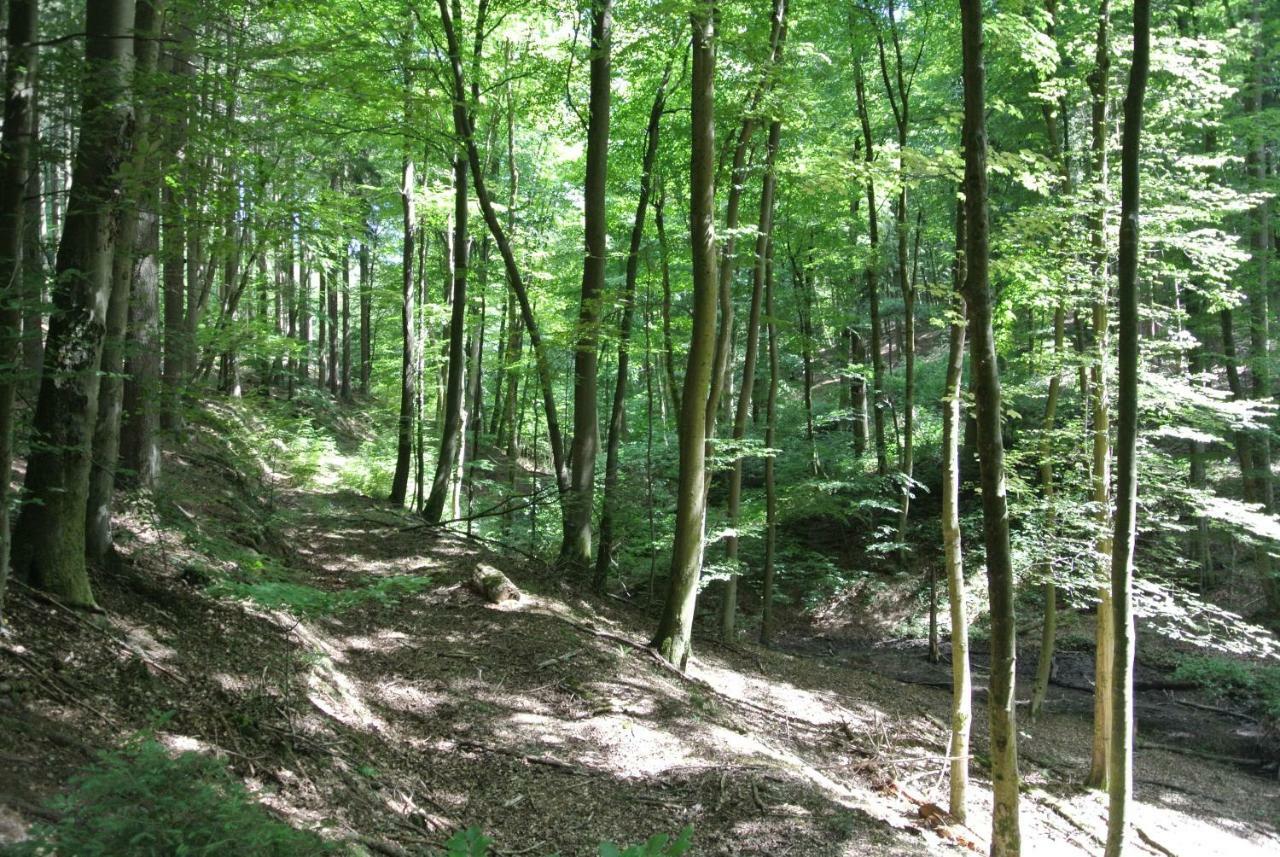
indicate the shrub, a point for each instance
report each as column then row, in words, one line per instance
column 142, row 801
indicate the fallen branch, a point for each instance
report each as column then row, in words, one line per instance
column 524, row 757
column 1202, row 754
column 1213, row 709
column 1151, row 843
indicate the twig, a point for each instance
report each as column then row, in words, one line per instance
column 1151, row 843
column 524, row 757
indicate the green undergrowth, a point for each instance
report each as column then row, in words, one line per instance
column 144, row 801
column 1257, row 685
column 140, row 800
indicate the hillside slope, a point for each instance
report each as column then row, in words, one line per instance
column 330, row 650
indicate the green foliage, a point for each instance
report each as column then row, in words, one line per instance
column 304, row 600
column 142, row 801
column 659, row 845
column 1250, row 682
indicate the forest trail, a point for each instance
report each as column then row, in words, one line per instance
column 383, row 700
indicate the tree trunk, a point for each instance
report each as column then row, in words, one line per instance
column 604, row 554
column 1259, row 309
column 15, row 148
column 668, row 345
column 770, row 438
column 451, row 422
column 404, row 442
column 1101, row 470
column 952, row 408
column 49, row 548
column 728, row 258
column 579, row 501
column 514, row 278
column 344, row 384
column 673, row 639
column 1005, row 835
column 366, row 316
column 873, row 288
column 764, row 234
column 34, row 222
column 1121, row 762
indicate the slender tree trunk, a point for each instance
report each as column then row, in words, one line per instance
column 49, row 545
column 1005, row 834
column 330, row 278
column 554, row 437
column 344, row 385
column 873, row 287
column 452, row 421
column 728, row 258
column 764, row 234
column 139, row 446
column 1259, row 306
column 604, row 554
column 404, row 445
column 15, row 147
column 366, row 316
column 34, row 222
column 579, row 501
column 1121, row 762
column 1101, row 471
column 668, row 345
column 952, row 409
column 770, row 439
column 673, row 639
column 174, row 249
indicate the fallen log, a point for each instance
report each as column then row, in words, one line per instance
column 494, row 586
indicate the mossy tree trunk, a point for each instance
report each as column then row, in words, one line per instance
column 15, row 148
column 49, row 548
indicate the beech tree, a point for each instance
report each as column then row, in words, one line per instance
column 49, row 543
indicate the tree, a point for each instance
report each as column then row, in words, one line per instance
column 764, row 233
column 49, row 548
column 952, row 407
column 604, row 553
column 1121, row 761
column 579, row 501
column 1006, row 838
column 15, row 147
column 131, row 260
column 673, row 639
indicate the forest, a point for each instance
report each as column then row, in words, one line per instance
column 637, row 428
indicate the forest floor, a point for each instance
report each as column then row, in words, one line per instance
column 367, row 691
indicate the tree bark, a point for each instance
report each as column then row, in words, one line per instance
column 1101, row 470
column 673, row 639
column 604, row 553
column 579, row 501
column 404, row 434
column 451, row 423
column 15, row 148
column 764, row 234
column 49, row 548
column 770, row 438
column 952, row 409
column 139, row 446
column 514, row 278
column 873, row 287
column 1121, row 761
column 1005, row 834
